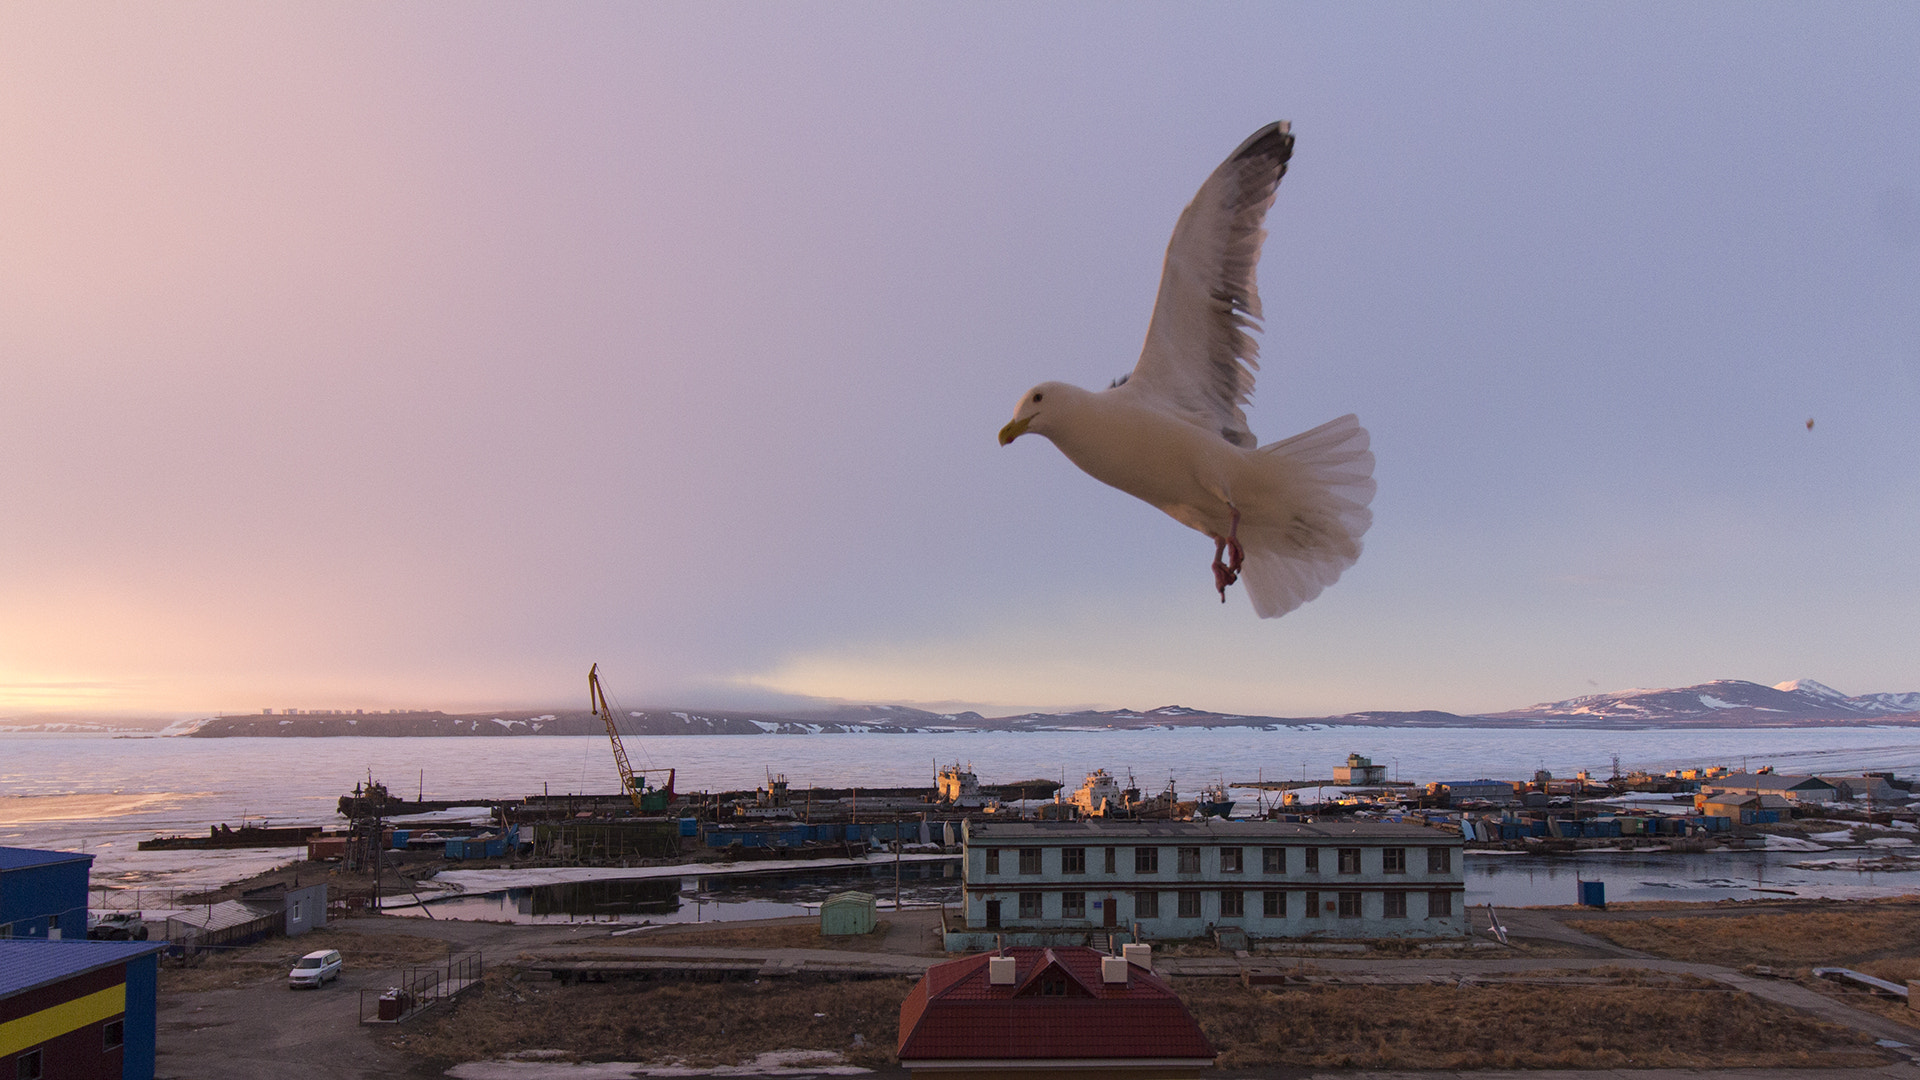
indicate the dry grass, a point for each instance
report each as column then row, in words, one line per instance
column 1849, row 937
column 1513, row 1027
column 270, row 960
column 1639, row 1019
column 699, row 1023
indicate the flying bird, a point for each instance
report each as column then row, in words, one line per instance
column 1287, row 516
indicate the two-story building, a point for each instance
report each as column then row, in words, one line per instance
column 1066, row 882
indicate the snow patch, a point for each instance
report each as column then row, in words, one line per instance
column 1791, row 843
column 1808, row 686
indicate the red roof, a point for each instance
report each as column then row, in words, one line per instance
column 1057, row 1007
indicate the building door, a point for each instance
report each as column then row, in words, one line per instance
column 993, row 914
column 1110, row 913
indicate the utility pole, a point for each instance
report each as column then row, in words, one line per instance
column 379, row 846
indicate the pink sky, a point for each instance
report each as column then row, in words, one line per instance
column 380, row 356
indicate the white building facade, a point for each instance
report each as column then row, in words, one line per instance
column 1059, row 882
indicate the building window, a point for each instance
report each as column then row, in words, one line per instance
column 1233, row 903
column 1189, row 860
column 1349, row 905
column 993, row 860
column 1273, row 860
column 116, row 1034
column 30, row 1065
column 1349, row 860
column 1073, row 905
column 1146, row 860
column 6, row 930
column 1229, row 860
column 1146, row 905
column 1053, row 988
column 1110, row 868
column 1274, row 904
column 1029, row 905
column 1439, row 860
column 1313, row 860
column 1189, row 904
column 1029, row 860
column 1393, row 860
column 1313, row 904
column 296, row 911
column 1073, row 860
column 1395, row 902
column 1439, row 904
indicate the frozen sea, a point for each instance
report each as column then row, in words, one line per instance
column 103, row 794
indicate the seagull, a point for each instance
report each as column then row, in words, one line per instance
column 1287, row 516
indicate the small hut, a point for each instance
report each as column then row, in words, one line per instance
column 846, row 913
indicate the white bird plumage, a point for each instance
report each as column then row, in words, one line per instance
column 1173, row 432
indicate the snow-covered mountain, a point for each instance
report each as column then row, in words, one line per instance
column 1724, row 701
column 1882, row 703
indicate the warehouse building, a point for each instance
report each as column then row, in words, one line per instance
column 1797, row 789
column 78, row 1009
column 43, row 894
column 1070, row 882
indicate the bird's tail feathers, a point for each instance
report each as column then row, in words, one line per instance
column 1328, row 475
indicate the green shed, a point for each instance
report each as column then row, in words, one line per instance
column 846, row 913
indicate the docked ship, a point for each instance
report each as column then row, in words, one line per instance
column 1214, row 801
column 1099, row 796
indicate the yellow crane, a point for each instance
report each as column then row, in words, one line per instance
column 645, row 799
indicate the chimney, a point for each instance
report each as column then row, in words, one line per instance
column 1113, row 970
column 1000, row 971
column 1140, row 955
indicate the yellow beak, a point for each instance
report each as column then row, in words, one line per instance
column 1014, row 429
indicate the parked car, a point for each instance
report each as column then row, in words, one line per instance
column 314, row 968
column 116, row 926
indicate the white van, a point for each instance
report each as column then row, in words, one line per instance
column 314, row 968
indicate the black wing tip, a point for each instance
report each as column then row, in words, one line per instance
column 1273, row 141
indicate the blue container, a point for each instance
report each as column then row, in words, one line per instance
column 1593, row 894
column 689, row 826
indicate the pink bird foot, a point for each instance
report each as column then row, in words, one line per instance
column 1227, row 571
column 1236, row 555
column 1223, row 574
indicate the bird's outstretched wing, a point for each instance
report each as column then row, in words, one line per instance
column 1199, row 360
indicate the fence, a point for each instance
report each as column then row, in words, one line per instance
column 419, row 989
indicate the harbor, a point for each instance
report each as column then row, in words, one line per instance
column 772, row 851
column 165, row 787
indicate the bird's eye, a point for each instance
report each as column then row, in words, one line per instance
column 1036, row 399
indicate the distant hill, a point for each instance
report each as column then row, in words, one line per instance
column 1726, row 703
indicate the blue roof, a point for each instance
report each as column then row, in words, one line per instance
column 27, row 964
column 19, row 858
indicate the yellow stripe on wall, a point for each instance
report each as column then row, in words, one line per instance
column 51, row 1023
